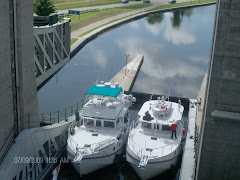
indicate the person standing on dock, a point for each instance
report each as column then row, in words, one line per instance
column 77, row 117
column 174, row 128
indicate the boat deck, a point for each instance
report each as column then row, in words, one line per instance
column 86, row 137
column 160, row 144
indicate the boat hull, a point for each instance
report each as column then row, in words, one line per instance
column 154, row 167
column 96, row 161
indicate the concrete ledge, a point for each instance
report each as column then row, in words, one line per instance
column 92, row 35
column 127, row 76
column 188, row 160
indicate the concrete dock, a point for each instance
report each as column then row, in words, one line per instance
column 194, row 126
column 201, row 94
column 127, row 76
column 188, row 160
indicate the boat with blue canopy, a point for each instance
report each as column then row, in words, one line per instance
column 102, row 133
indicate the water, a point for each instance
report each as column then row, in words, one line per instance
column 176, row 47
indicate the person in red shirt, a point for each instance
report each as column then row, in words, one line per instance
column 174, row 128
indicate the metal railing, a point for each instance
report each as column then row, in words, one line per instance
column 155, row 152
column 95, row 147
column 27, row 121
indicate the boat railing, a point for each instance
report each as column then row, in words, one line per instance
column 92, row 148
column 155, row 152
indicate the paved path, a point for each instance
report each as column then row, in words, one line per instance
column 100, row 7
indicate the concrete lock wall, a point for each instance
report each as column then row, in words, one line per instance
column 6, row 91
column 219, row 150
column 18, row 93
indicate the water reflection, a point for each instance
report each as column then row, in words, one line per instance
column 175, row 57
column 178, row 16
column 155, row 18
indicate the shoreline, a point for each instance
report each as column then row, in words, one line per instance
column 80, row 43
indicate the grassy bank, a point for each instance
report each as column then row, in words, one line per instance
column 85, row 4
column 181, row 4
column 92, row 17
column 157, row 8
column 73, row 40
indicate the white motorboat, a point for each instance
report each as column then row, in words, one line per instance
column 103, row 131
column 150, row 149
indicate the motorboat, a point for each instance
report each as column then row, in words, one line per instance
column 103, row 130
column 151, row 149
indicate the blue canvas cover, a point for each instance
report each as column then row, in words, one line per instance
column 105, row 91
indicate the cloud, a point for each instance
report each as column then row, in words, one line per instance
column 182, row 35
column 200, row 59
column 163, row 71
column 155, row 29
column 134, row 25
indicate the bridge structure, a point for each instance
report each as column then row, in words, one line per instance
column 52, row 41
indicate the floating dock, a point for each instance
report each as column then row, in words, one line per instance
column 127, row 76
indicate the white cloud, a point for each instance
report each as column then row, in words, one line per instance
column 155, row 29
column 134, row 25
column 182, row 35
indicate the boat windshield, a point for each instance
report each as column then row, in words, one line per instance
column 146, row 125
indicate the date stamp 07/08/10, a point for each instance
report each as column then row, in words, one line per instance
column 35, row 160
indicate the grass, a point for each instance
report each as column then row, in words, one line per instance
column 83, row 34
column 181, row 4
column 73, row 40
column 86, row 4
column 92, row 17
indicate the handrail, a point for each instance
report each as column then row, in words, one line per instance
column 44, row 119
column 95, row 147
column 141, row 150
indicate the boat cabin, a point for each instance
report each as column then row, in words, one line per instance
column 152, row 125
column 91, row 122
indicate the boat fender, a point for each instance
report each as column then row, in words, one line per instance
column 127, row 117
column 124, row 129
column 72, row 131
column 116, row 159
column 183, row 130
column 119, row 136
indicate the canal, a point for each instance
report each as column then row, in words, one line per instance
column 176, row 47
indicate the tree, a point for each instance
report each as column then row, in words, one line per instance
column 43, row 7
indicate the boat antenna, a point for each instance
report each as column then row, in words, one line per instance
column 97, row 79
column 168, row 94
column 151, row 95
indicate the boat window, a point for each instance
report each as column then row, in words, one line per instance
column 157, row 126
column 166, row 128
column 98, row 123
column 81, row 122
column 117, row 122
column 88, row 122
column 108, row 124
column 146, row 125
